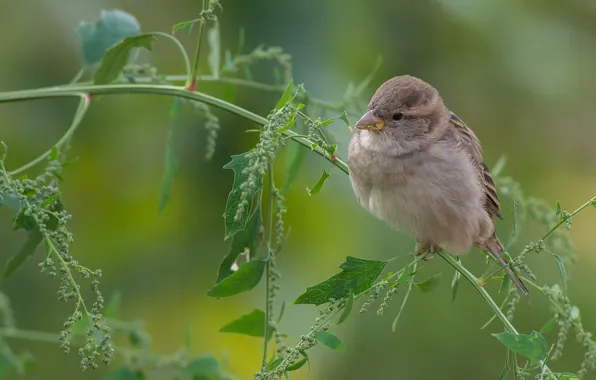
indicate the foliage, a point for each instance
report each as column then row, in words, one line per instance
column 256, row 238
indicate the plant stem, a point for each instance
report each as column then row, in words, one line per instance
column 112, row 89
column 268, row 234
column 474, row 281
column 79, row 114
column 580, row 208
column 182, row 51
column 191, row 83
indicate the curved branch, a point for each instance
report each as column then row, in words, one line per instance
column 112, row 89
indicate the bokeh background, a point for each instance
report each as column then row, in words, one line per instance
column 522, row 74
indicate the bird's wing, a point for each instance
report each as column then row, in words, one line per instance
column 471, row 144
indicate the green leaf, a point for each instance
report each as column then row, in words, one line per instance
column 50, row 200
column 118, row 55
column 249, row 238
column 124, row 373
column 244, row 279
column 330, row 341
column 110, row 29
column 558, row 211
column 562, row 270
column 297, row 365
column 455, row 283
column 294, row 158
column 213, row 38
column 112, row 309
column 287, row 126
column 170, row 166
column 532, row 346
column 281, row 311
column 252, row 324
column 185, row 25
column 319, row 185
column 274, row 363
column 548, row 326
column 238, row 164
column 505, row 284
column 430, row 284
column 204, row 368
column 28, row 249
column 5, row 366
column 499, row 166
column 286, row 96
column 344, row 117
column 567, row 376
column 347, row 309
column 54, row 152
column 357, row 275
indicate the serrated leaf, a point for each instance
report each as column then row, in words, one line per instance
column 28, row 249
column 185, row 25
column 548, row 326
column 214, row 58
column 319, row 185
column 357, row 275
column 430, row 284
column 532, row 346
column 111, row 28
column 238, row 164
column 455, row 284
column 118, row 55
column 204, row 368
column 252, row 324
column 330, row 340
column 244, row 279
column 286, row 96
column 249, row 238
column 347, row 309
column 562, row 270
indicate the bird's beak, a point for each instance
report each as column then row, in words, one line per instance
column 370, row 122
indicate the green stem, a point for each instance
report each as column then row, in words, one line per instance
column 268, row 234
column 182, row 51
column 79, row 114
column 191, row 83
column 474, row 281
column 588, row 203
column 112, row 89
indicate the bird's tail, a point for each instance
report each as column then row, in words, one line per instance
column 496, row 249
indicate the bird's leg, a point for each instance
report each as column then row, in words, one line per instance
column 426, row 250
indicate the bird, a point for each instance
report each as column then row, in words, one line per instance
column 418, row 167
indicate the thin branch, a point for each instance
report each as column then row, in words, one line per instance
column 113, row 89
column 79, row 114
column 191, row 83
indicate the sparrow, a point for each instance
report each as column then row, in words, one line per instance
column 417, row 166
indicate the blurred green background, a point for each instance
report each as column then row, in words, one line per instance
column 521, row 74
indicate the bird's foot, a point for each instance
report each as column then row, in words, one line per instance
column 427, row 251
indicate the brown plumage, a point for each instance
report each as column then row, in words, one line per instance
column 417, row 166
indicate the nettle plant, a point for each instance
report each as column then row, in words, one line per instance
column 254, row 221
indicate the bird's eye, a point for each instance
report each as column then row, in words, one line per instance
column 398, row 116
